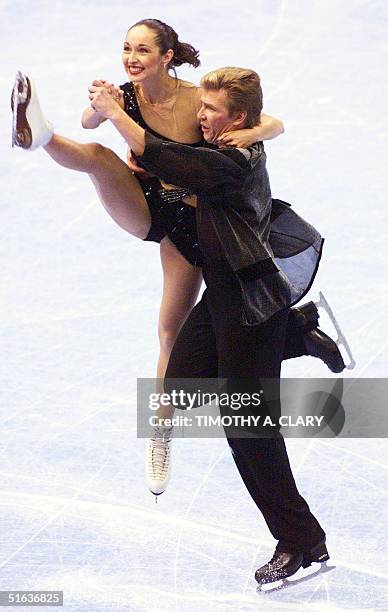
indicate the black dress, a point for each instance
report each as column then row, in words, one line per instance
column 170, row 216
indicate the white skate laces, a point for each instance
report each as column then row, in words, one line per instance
column 30, row 129
column 158, row 459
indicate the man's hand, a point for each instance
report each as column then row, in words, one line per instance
column 133, row 165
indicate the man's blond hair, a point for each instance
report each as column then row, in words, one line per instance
column 243, row 91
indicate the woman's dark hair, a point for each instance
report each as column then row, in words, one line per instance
column 166, row 38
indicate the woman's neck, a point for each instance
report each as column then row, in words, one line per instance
column 158, row 89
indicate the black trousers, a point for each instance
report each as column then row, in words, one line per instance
column 214, row 343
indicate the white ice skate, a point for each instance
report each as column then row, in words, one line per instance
column 341, row 340
column 30, row 129
column 158, row 460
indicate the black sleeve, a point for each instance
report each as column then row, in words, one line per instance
column 199, row 169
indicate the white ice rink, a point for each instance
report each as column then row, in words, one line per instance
column 79, row 305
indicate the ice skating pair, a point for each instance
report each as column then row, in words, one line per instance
column 284, row 564
column 30, row 130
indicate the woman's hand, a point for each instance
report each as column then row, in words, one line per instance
column 134, row 166
column 105, row 98
column 114, row 91
column 268, row 128
column 238, row 138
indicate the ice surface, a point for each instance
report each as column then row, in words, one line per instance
column 79, row 305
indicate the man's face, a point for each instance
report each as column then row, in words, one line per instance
column 214, row 115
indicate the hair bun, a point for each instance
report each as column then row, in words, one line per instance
column 166, row 38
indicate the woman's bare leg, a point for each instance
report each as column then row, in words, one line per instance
column 118, row 189
column 181, row 284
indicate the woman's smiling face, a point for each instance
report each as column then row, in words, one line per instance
column 141, row 55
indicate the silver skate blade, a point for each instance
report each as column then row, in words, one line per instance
column 285, row 583
column 20, row 96
column 322, row 302
column 14, row 106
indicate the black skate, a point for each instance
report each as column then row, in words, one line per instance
column 284, row 564
column 317, row 343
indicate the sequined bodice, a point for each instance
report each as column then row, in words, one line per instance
column 132, row 108
column 168, row 210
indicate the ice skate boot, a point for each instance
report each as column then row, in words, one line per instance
column 317, row 554
column 317, row 343
column 284, row 564
column 30, row 129
column 281, row 566
column 158, row 460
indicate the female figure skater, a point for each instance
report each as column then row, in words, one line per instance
column 146, row 208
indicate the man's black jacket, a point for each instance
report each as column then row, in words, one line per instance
column 273, row 252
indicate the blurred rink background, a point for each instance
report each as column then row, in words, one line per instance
column 79, row 305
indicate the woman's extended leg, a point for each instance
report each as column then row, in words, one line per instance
column 118, row 189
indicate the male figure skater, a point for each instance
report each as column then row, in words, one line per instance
column 238, row 327
column 237, row 330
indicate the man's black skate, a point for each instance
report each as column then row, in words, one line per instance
column 317, row 343
column 317, row 554
column 284, row 564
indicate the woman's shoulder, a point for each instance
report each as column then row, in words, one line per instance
column 189, row 91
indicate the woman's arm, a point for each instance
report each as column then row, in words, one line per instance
column 199, row 169
column 268, row 128
column 91, row 119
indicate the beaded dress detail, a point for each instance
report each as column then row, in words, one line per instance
column 170, row 215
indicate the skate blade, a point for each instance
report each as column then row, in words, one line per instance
column 341, row 340
column 285, row 583
column 275, row 585
column 21, row 94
